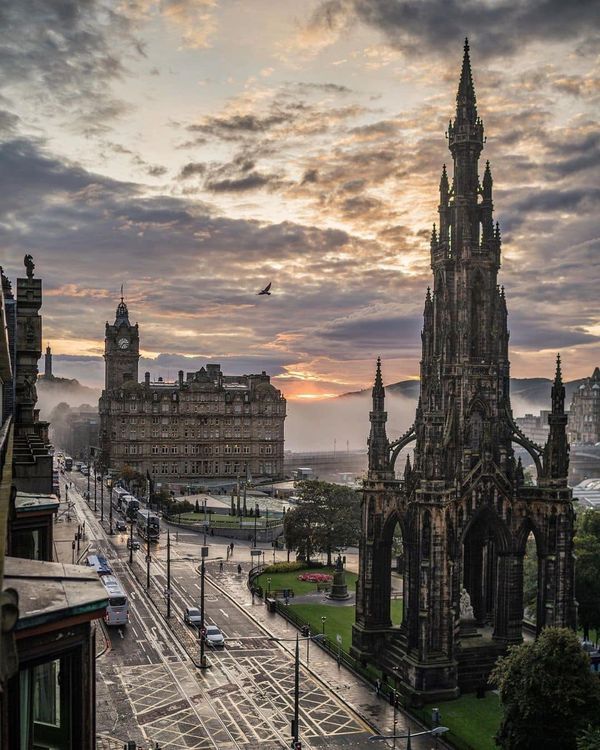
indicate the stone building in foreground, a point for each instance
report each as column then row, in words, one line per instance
column 462, row 506
column 204, row 425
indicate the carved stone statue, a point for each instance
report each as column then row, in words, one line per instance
column 29, row 389
column 466, row 608
column 29, row 265
column 339, row 565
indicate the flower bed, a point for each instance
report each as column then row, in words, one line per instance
column 315, row 577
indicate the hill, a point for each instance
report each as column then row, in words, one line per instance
column 527, row 394
column 52, row 391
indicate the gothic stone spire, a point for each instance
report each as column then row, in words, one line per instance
column 556, row 450
column 378, row 442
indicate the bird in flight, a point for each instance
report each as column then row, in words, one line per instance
column 266, row 290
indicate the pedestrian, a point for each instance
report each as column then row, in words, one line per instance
column 231, row 545
column 253, row 594
column 221, row 566
column 239, row 568
column 377, row 686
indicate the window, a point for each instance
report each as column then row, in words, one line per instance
column 49, row 704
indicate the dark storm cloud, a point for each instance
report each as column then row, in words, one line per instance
column 496, row 28
column 382, row 332
column 192, row 169
column 532, row 333
column 248, row 182
column 548, row 200
column 68, row 53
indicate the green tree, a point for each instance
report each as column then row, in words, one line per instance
column 548, row 693
column 589, row 739
column 326, row 519
column 587, row 570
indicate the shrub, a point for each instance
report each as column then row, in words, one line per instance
column 315, row 577
column 284, row 567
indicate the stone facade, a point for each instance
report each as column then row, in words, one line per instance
column 584, row 415
column 462, row 506
column 205, row 426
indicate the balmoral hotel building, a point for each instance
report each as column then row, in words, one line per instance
column 204, row 426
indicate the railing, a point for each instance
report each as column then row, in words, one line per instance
column 334, row 649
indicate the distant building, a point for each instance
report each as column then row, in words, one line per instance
column 535, row 427
column 205, row 426
column 584, row 416
column 48, row 363
column 77, row 432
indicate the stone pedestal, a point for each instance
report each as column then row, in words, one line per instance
column 339, row 587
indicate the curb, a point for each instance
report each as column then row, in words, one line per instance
column 318, row 678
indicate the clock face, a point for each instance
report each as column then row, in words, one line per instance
column 123, row 343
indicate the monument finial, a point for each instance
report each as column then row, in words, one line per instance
column 29, row 265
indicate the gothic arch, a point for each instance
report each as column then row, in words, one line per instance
column 486, row 516
column 529, row 527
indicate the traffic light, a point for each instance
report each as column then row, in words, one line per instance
column 297, row 745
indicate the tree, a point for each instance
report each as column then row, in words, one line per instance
column 548, row 693
column 587, row 570
column 326, row 519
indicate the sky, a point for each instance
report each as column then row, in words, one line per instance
column 195, row 150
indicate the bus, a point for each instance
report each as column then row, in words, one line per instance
column 68, row 463
column 148, row 525
column 130, row 506
column 100, row 564
column 117, row 611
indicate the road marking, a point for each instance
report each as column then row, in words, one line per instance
column 225, row 613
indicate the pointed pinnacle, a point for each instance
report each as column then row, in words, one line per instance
column 378, row 378
column 558, row 375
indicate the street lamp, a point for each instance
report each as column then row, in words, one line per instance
column 131, row 541
column 295, row 720
column 268, row 586
column 168, row 574
column 204, row 553
column 323, row 623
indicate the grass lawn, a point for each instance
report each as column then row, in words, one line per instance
column 339, row 619
column 290, row 581
column 473, row 722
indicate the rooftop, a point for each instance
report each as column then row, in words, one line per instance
column 53, row 592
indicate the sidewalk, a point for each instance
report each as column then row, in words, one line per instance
column 341, row 681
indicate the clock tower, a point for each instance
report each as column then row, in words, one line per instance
column 121, row 350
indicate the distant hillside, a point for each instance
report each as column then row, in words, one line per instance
column 527, row 394
column 55, row 390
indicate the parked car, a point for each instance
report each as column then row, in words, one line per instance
column 133, row 544
column 192, row 616
column 214, row 637
column 121, row 526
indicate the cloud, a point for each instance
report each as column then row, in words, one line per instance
column 68, row 54
column 439, row 25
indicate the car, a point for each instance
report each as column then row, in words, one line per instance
column 121, row 526
column 133, row 544
column 192, row 616
column 214, row 637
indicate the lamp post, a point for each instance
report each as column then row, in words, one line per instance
column 88, row 476
column 295, row 720
column 110, row 508
column 168, row 574
column 323, row 623
column 148, row 557
column 95, row 487
column 131, row 541
column 268, row 587
column 204, row 553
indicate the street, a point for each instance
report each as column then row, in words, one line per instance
column 149, row 685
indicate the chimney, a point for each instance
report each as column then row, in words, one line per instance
column 147, row 378
column 180, row 378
